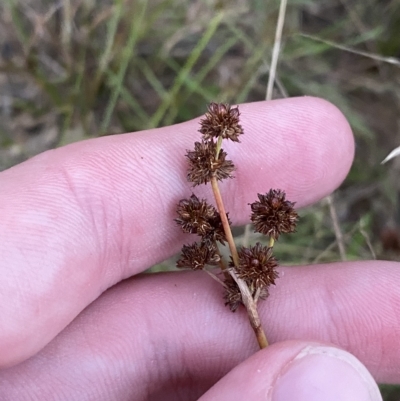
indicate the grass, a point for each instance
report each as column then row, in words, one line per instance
column 84, row 69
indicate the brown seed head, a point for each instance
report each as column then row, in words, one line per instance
column 217, row 233
column 195, row 215
column 221, row 120
column 257, row 266
column 273, row 214
column 198, row 217
column 232, row 295
column 203, row 165
column 196, row 256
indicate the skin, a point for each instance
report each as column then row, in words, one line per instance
column 80, row 223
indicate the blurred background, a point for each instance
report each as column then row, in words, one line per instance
column 77, row 69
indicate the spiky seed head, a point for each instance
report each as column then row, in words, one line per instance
column 217, row 233
column 196, row 216
column 257, row 266
column 196, row 256
column 232, row 295
column 273, row 214
column 221, row 120
column 203, row 165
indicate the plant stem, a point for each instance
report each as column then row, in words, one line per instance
column 224, row 219
column 221, row 263
column 248, row 301
column 213, row 276
column 218, row 147
column 271, row 242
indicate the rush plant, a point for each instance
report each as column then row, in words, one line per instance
column 246, row 277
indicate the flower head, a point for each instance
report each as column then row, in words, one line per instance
column 196, row 256
column 232, row 295
column 273, row 214
column 198, row 217
column 195, row 215
column 203, row 165
column 257, row 266
column 217, row 233
column 221, row 120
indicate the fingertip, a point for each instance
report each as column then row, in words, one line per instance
column 330, row 136
column 297, row 371
column 303, row 145
column 325, row 373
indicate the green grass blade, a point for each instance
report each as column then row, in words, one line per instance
column 127, row 54
column 186, row 69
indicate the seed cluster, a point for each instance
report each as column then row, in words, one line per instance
column 257, row 265
column 197, row 256
column 272, row 215
column 203, row 164
column 221, row 120
column 206, row 161
column 198, row 217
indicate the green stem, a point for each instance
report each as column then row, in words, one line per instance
column 271, row 242
column 218, row 147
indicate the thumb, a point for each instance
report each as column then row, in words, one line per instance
column 297, row 371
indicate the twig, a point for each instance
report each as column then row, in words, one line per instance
column 368, row 241
column 276, row 49
column 332, row 245
column 389, row 60
column 247, row 298
column 336, row 228
column 213, row 276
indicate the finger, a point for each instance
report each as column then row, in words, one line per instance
column 297, row 371
column 169, row 334
column 78, row 219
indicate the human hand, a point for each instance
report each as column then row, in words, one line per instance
column 78, row 220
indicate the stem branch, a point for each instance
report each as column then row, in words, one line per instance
column 218, row 147
column 213, row 276
column 271, row 242
column 221, row 262
column 248, row 301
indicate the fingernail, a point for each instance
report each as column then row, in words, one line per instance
column 325, row 374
